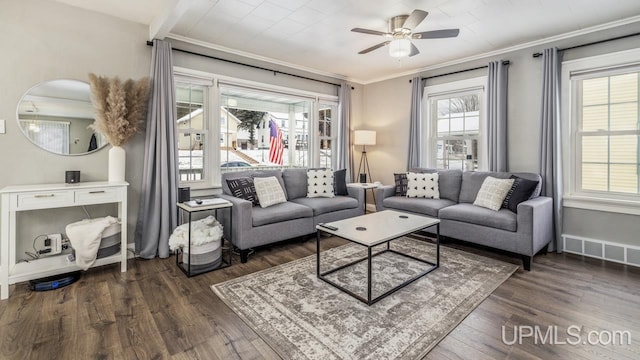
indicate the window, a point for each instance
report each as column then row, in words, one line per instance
column 192, row 131
column 602, row 118
column 454, row 123
column 326, row 134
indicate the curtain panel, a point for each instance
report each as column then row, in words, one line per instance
column 414, row 159
column 497, row 85
column 344, row 156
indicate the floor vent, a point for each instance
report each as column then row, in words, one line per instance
column 601, row 249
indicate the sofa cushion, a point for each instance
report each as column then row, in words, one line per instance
column 449, row 181
column 295, row 180
column 269, row 191
column 428, row 207
column 401, row 184
column 493, row 192
column 472, row 182
column 243, row 188
column 340, row 182
column 279, row 212
column 519, row 192
column 253, row 174
column 326, row 205
column 422, row 185
column 502, row 219
column 320, row 183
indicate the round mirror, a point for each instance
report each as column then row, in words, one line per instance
column 56, row 114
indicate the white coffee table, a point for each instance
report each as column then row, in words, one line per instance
column 374, row 229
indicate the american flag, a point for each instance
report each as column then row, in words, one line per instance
column 276, row 145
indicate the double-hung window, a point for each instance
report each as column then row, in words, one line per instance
column 454, row 125
column 604, row 128
column 327, row 118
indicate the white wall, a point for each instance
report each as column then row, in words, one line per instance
column 386, row 109
column 45, row 40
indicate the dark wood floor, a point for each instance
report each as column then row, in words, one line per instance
column 155, row 312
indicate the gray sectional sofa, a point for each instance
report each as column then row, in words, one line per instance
column 525, row 232
column 255, row 226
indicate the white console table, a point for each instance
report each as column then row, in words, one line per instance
column 52, row 196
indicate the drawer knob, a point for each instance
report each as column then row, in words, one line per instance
column 97, row 192
column 45, row 196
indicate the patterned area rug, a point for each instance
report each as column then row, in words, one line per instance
column 302, row 317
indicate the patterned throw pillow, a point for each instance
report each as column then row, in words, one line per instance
column 320, row 183
column 401, row 184
column 422, row 186
column 519, row 192
column 243, row 188
column 492, row 193
column 269, row 191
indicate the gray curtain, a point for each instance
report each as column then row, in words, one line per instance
column 344, row 157
column 158, row 216
column 497, row 84
column 550, row 150
column 415, row 124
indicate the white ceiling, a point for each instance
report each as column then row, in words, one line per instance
column 315, row 34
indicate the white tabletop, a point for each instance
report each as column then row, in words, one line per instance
column 219, row 204
column 380, row 226
column 364, row 185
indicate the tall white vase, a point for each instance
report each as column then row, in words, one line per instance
column 117, row 163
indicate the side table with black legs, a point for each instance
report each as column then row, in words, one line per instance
column 191, row 207
column 366, row 186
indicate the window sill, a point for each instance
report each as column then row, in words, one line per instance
column 631, row 207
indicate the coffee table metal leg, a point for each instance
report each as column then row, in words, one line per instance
column 318, row 253
column 369, row 276
column 438, row 245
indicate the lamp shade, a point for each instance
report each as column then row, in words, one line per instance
column 364, row 137
column 399, row 48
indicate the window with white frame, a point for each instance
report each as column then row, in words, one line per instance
column 327, row 117
column 454, row 124
column 193, row 131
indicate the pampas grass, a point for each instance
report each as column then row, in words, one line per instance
column 121, row 107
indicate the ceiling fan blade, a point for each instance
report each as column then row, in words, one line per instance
column 414, row 50
column 414, row 19
column 367, row 50
column 370, row 32
column 436, row 34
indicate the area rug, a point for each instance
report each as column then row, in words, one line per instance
column 302, row 317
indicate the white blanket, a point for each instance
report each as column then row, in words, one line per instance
column 202, row 232
column 85, row 238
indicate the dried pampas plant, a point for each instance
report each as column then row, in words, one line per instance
column 121, row 107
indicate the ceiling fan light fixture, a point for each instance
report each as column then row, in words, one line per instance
column 399, row 48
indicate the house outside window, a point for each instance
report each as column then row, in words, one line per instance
column 454, row 125
column 603, row 130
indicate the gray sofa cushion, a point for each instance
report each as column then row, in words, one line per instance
column 448, row 183
column 502, row 219
column 251, row 174
column 428, row 207
column 295, row 180
column 326, row 205
column 279, row 212
column 472, row 182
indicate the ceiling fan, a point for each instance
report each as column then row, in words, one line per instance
column 400, row 30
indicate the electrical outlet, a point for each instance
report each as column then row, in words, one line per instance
column 2, row 127
column 56, row 243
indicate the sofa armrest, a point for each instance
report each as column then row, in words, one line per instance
column 242, row 217
column 358, row 194
column 383, row 192
column 535, row 223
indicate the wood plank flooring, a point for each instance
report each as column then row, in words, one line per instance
column 154, row 312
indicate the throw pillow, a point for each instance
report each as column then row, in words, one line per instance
column 422, row 186
column 243, row 188
column 492, row 193
column 520, row 191
column 340, row 182
column 320, row 183
column 401, row 184
column 269, row 191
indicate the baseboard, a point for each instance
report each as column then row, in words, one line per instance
column 602, row 249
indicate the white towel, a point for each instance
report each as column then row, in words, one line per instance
column 85, row 239
column 202, row 232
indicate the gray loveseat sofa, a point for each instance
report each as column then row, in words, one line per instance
column 255, row 226
column 525, row 232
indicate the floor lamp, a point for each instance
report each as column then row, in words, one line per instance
column 364, row 138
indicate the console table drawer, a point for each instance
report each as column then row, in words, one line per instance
column 45, row 200
column 93, row 196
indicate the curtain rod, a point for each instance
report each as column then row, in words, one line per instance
column 504, row 62
column 150, row 43
column 538, row 54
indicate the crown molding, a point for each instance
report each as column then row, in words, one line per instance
column 568, row 35
column 225, row 49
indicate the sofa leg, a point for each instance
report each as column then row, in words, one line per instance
column 244, row 255
column 526, row 262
